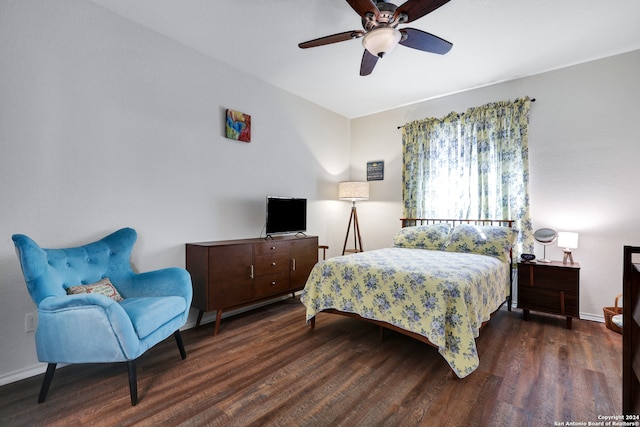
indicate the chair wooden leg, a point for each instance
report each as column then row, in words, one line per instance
column 178, row 337
column 216, row 328
column 46, row 382
column 133, row 382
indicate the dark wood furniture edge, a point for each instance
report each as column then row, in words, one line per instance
column 630, row 332
column 408, row 222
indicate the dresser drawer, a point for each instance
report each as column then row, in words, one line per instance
column 271, row 247
column 269, row 264
column 272, row 284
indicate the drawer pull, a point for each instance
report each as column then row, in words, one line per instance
column 293, row 264
column 273, row 283
column 273, row 248
column 251, row 271
column 273, row 263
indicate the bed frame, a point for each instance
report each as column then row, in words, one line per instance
column 409, row 222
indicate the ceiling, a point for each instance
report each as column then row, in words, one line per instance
column 493, row 41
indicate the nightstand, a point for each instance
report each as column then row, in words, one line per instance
column 551, row 287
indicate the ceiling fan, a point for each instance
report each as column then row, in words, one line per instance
column 380, row 20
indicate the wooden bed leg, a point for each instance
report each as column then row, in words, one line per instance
column 312, row 322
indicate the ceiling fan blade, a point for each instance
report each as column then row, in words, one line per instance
column 334, row 38
column 416, row 9
column 368, row 62
column 362, row 7
column 422, row 40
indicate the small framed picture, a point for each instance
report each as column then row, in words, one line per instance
column 238, row 126
column 375, row 170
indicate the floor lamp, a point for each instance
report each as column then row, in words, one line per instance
column 353, row 190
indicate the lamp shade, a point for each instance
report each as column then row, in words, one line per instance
column 567, row 240
column 353, row 190
column 381, row 40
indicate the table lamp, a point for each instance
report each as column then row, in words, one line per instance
column 568, row 241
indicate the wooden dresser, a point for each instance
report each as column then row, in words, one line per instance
column 551, row 287
column 233, row 273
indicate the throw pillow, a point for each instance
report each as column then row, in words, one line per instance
column 104, row 287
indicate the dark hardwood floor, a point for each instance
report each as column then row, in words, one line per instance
column 266, row 367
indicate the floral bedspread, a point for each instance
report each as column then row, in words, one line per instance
column 444, row 296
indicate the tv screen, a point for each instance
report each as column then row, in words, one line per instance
column 286, row 215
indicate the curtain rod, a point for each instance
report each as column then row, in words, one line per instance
column 532, row 100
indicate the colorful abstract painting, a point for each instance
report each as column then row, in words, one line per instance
column 238, row 126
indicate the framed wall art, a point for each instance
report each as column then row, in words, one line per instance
column 375, row 170
column 238, row 126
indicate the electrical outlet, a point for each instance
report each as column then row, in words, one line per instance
column 30, row 322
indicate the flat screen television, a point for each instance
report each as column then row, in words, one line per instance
column 286, row 215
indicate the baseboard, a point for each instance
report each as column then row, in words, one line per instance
column 592, row 317
column 583, row 316
column 22, row 374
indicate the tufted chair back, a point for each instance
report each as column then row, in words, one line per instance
column 48, row 272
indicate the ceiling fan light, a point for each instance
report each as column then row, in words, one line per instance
column 381, row 40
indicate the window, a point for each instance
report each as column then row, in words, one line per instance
column 470, row 166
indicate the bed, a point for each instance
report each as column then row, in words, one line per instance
column 440, row 282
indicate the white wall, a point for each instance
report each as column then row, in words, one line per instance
column 584, row 148
column 105, row 124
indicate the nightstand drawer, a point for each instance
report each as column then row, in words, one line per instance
column 550, row 301
column 548, row 277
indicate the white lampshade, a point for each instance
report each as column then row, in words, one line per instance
column 353, row 190
column 567, row 240
column 381, row 40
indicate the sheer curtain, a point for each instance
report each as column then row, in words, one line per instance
column 470, row 166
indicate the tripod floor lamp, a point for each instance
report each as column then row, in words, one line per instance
column 353, row 190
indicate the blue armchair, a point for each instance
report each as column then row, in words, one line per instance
column 91, row 327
